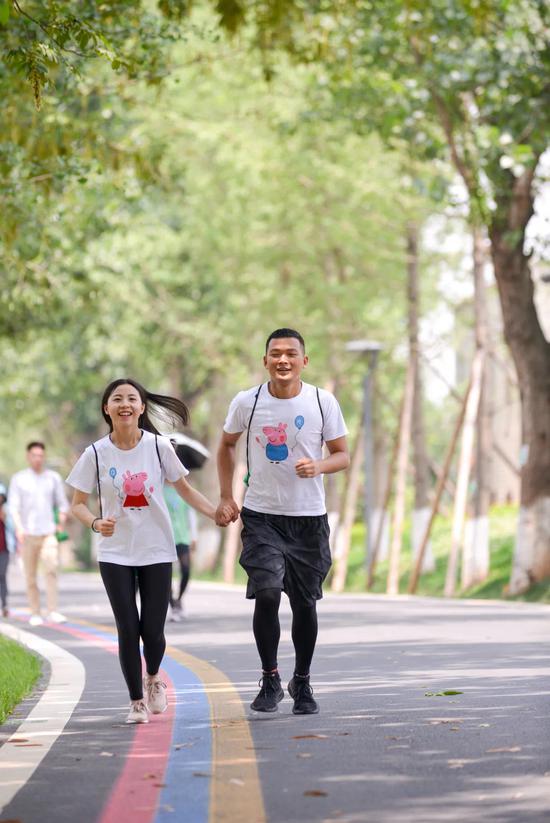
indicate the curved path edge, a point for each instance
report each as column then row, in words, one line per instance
column 20, row 755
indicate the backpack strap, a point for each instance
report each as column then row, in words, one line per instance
column 322, row 415
column 98, row 481
column 158, row 452
column 247, row 478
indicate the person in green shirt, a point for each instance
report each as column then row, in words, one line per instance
column 184, row 524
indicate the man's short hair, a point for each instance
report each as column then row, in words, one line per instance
column 285, row 333
column 36, row 444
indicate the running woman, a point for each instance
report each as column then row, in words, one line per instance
column 136, row 546
column 285, row 526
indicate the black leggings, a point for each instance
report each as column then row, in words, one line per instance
column 121, row 584
column 267, row 630
column 184, row 563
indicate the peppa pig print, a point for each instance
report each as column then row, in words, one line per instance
column 276, row 449
column 135, row 493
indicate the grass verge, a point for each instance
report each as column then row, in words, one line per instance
column 19, row 671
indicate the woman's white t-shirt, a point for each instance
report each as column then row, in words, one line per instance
column 282, row 431
column 131, row 482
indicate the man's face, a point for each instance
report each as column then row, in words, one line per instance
column 36, row 458
column 285, row 359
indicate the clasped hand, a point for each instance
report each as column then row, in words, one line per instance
column 227, row 512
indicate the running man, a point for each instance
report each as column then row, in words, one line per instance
column 285, row 526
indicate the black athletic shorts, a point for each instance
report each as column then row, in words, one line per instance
column 287, row 553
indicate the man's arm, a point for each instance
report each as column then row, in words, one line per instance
column 337, row 461
column 226, row 469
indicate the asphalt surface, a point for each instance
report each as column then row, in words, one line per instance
column 387, row 746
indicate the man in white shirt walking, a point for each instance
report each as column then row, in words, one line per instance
column 33, row 495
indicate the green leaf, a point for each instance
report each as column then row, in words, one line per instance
column 4, row 12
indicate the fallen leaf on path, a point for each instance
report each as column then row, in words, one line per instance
column 503, row 749
column 159, row 785
column 179, row 746
column 315, row 793
column 342, row 734
column 310, row 737
column 19, row 740
column 149, row 776
column 446, row 693
column 236, row 781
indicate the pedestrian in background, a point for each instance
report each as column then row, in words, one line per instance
column 7, row 547
column 184, row 524
column 33, row 495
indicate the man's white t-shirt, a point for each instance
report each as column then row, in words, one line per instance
column 33, row 496
column 131, row 483
column 283, row 431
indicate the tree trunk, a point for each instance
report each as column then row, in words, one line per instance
column 463, row 478
column 347, row 519
column 531, row 354
column 475, row 558
column 421, row 510
column 392, row 586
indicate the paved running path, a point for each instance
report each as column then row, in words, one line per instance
column 381, row 749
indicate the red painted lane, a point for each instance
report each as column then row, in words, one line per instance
column 137, row 790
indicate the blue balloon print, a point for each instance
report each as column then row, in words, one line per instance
column 112, row 472
column 299, row 421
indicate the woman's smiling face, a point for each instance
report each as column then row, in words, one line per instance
column 125, row 406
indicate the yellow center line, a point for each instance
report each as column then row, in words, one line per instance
column 235, row 790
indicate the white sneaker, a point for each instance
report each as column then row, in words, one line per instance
column 155, row 694
column 36, row 620
column 138, row 712
column 56, row 617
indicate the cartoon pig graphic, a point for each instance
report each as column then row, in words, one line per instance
column 133, row 487
column 276, row 449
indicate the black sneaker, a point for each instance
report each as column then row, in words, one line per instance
column 271, row 693
column 302, row 694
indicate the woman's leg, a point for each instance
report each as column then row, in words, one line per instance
column 120, row 584
column 154, row 589
column 184, row 560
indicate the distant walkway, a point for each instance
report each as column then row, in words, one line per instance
column 385, row 747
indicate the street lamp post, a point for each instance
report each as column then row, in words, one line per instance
column 372, row 349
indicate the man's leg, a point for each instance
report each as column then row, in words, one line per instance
column 266, row 627
column 31, row 555
column 267, row 632
column 50, row 563
column 304, row 635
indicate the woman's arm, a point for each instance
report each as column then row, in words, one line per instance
column 79, row 508
column 195, row 498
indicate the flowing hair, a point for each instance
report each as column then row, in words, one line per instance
column 169, row 409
